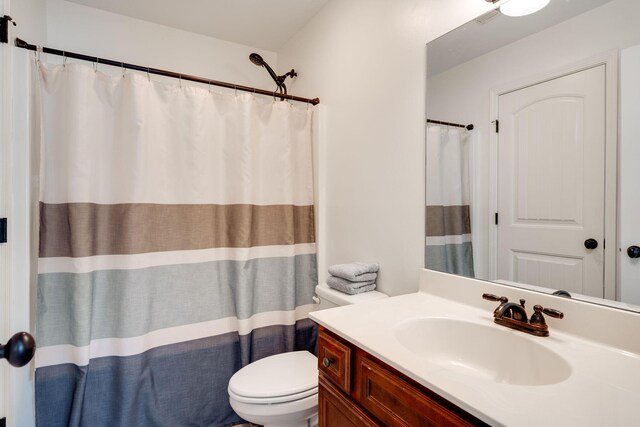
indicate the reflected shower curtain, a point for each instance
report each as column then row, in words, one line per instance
column 448, row 220
column 177, row 245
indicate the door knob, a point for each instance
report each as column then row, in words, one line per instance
column 19, row 349
column 633, row 251
column 591, row 243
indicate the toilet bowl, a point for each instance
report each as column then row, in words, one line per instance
column 282, row 390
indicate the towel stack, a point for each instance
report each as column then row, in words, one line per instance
column 353, row 278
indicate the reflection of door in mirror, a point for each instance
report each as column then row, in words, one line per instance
column 551, row 174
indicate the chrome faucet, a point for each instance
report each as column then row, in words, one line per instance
column 514, row 316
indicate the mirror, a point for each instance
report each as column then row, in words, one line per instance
column 532, row 150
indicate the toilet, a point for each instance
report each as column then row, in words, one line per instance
column 282, row 390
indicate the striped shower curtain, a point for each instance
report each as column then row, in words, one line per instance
column 448, row 220
column 176, row 246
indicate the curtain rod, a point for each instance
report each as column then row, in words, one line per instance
column 24, row 45
column 438, row 122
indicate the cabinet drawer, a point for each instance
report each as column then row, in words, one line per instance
column 334, row 361
column 395, row 402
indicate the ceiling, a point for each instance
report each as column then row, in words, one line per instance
column 265, row 24
column 494, row 30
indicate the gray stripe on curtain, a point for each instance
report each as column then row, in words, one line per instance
column 451, row 258
column 76, row 308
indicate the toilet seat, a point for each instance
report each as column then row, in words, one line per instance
column 282, row 378
column 272, row 400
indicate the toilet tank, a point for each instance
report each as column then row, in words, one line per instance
column 330, row 298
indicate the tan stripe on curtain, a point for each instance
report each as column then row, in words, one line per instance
column 88, row 229
column 448, row 220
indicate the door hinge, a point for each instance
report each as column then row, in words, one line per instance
column 496, row 218
column 497, row 122
column 4, row 28
column 3, row 230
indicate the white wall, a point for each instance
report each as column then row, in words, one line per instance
column 30, row 17
column 365, row 59
column 83, row 29
column 462, row 93
column 629, row 190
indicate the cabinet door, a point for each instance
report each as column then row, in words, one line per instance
column 397, row 403
column 334, row 410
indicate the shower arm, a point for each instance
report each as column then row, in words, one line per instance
column 282, row 78
column 273, row 75
column 279, row 79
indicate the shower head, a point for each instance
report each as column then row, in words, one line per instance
column 256, row 59
column 260, row 62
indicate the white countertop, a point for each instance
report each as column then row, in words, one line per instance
column 602, row 390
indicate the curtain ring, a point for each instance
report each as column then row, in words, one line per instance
column 64, row 59
column 123, row 69
column 95, row 65
column 209, row 86
column 235, row 88
column 148, row 75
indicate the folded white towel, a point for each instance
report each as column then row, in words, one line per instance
column 355, row 271
column 348, row 287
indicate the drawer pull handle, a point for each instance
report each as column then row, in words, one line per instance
column 327, row 361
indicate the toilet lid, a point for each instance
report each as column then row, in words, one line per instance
column 276, row 376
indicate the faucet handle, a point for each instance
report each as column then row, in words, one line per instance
column 538, row 319
column 492, row 297
column 552, row 312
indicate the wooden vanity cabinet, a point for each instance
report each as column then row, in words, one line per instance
column 357, row 389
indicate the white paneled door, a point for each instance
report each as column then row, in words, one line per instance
column 551, row 183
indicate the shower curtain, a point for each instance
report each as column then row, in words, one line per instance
column 177, row 245
column 448, row 224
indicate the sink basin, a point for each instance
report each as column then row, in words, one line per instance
column 483, row 351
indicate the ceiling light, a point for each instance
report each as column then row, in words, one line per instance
column 522, row 7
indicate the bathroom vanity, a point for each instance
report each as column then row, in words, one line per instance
column 358, row 389
column 436, row 357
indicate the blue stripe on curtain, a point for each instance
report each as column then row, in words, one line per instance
column 174, row 385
